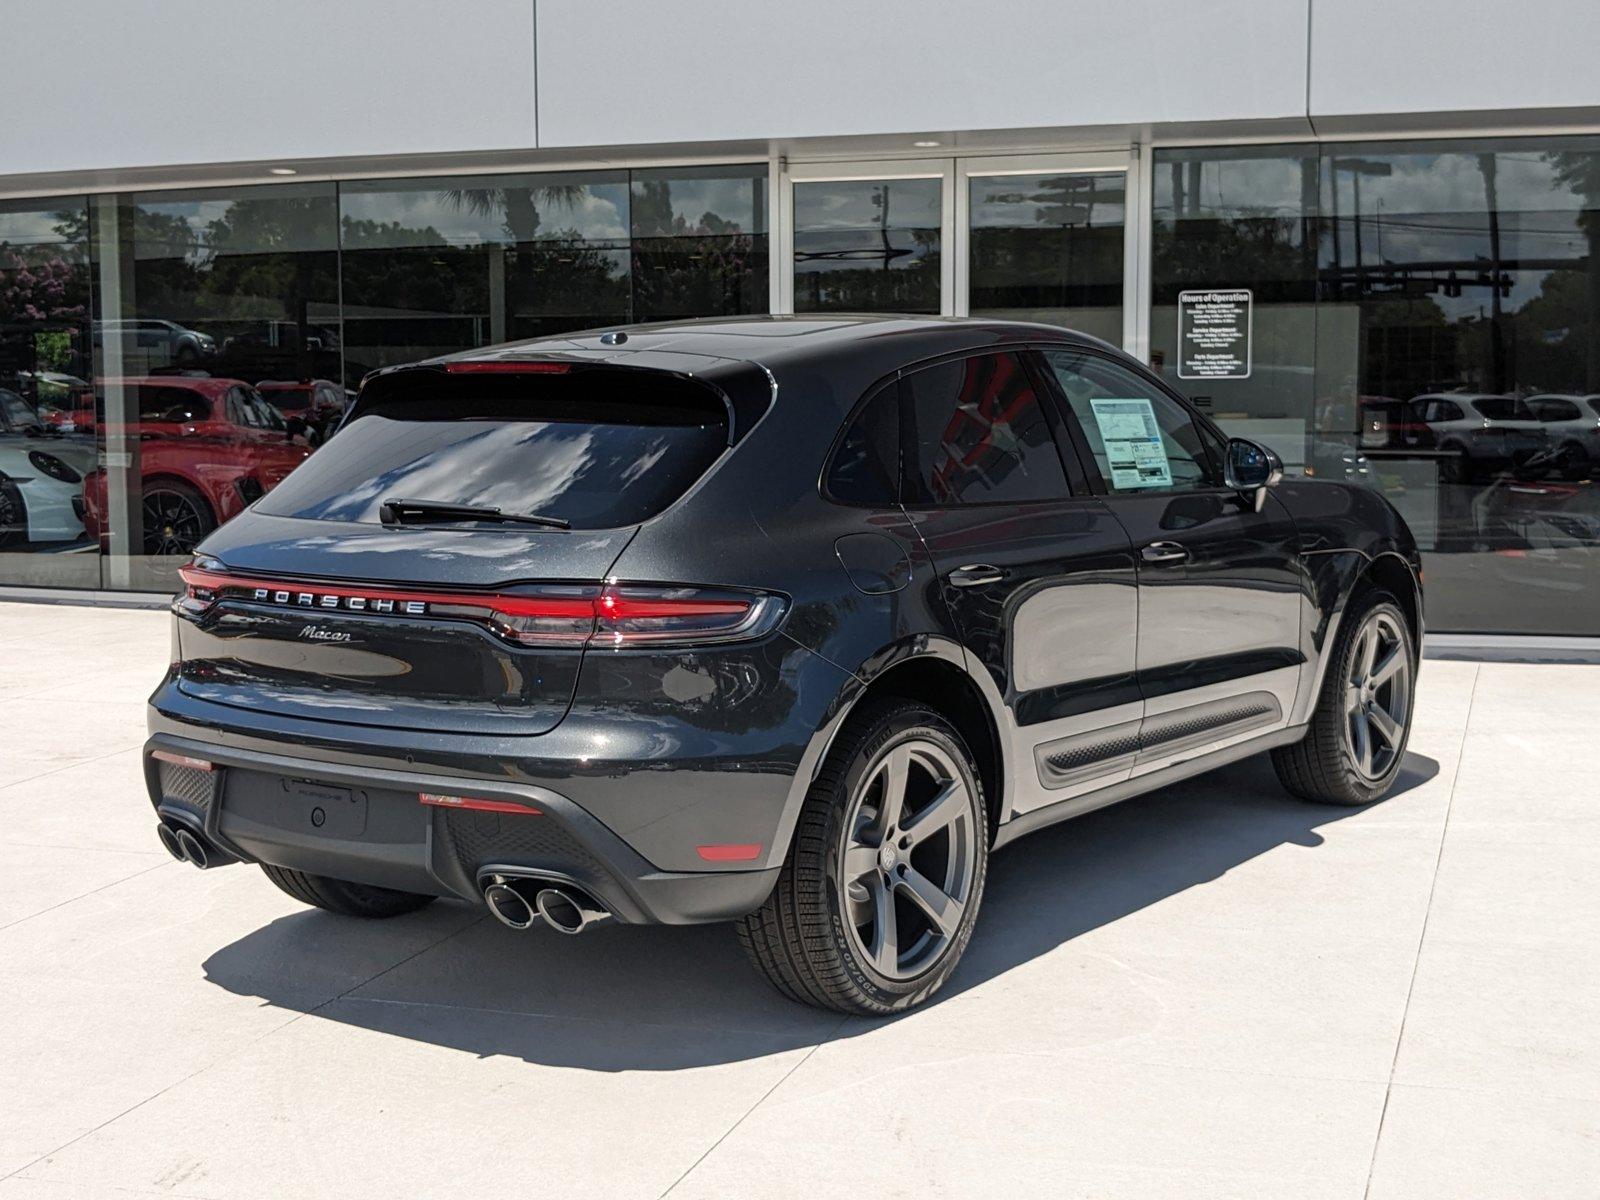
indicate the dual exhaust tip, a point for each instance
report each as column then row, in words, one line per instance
column 184, row 845
column 563, row 910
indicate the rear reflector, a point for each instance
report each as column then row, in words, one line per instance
column 477, row 805
column 730, row 852
column 507, row 368
column 182, row 760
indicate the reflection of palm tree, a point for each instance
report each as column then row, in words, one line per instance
column 518, row 206
column 1579, row 170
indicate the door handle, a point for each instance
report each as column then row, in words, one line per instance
column 1164, row 552
column 975, row 575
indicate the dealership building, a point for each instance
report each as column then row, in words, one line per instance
column 1365, row 233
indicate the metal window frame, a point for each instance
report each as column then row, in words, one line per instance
column 1127, row 162
column 782, row 246
column 956, row 172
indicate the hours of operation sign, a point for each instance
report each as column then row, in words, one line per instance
column 1214, row 334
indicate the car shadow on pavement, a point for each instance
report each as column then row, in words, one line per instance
column 667, row 998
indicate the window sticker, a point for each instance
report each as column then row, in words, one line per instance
column 1134, row 453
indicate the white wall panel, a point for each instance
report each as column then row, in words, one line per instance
column 1420, row 56
column 113, row 83
column 634, row 71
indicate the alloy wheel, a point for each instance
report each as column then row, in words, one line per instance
column 1377, row 697
column 909, row 858
column 172, row 523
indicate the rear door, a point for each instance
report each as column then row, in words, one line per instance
column 1220, row 585
column 316, row 607
column 1036, row 573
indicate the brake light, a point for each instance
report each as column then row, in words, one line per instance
column 616, row 615
column 506, row 367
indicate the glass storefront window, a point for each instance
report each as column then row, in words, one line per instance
column 1049, row 248
column 432, row 266
column 219, row 362
column 1427, row 321
column 867, row 245
column 168, row 357
column 699, row 242
column 45, row 371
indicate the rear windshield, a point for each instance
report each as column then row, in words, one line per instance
column 598, row 449
column 1503, row 408
column 171, row 405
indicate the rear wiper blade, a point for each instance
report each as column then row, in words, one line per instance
column 409, row 512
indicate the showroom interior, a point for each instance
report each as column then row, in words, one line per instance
column 1413, row 298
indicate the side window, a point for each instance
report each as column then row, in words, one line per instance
column 239, row 410
column 978, row 435
column 1142, row 439
column 866, row 463
column 1445, row 410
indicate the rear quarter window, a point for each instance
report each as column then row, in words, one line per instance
column 599, row 448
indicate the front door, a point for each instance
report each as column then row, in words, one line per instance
column 1220, row 584
column 1036, row 573
column 1042, row 237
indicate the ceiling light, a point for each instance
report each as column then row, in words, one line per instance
column 925, row 145
column 282, row 171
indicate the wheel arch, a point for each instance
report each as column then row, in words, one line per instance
column 167, row 475
column 931, row 670
column 1392, row 573
column 950, row 690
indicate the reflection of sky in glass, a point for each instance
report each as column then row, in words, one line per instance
column 1046, row 201
column 472, row 211
column 736, row 195
column 34, row 226
column 848, row 204
column 284, row 219
column 594, row 475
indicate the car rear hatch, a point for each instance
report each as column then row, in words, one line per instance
column 329, row 601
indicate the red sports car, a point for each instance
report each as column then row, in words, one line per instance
column 207, row 448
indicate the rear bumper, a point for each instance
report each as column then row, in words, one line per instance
column 254, row 805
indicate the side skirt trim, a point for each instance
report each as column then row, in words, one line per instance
column 1067, row 809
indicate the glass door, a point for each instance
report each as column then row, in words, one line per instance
column 1045, row 239
column 868, row 237
column 1049, row 238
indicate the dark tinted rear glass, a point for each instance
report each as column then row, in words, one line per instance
column 1554, row 410
column 865, row 465
column 171, row 405
column 599, row 449
column 1503, row 408
column 978, row 435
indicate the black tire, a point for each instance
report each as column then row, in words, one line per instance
column 13, row 515
column 176, row 517
column 799, row 938
column 1572, row 461
column 343, row 897
column 1324, row 766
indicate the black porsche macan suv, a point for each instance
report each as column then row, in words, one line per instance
column 785, row 622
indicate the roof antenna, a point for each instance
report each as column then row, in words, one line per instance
column 613, row 339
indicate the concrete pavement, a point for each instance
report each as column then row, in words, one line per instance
column 1215, row 991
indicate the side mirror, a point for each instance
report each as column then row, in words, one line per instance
column 1251, row 468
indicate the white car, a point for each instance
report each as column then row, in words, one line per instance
column 1480, row 435
column 41, row 477
column 1572, row 427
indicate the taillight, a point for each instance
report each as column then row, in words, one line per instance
column 616, row 615
column 507, row 367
